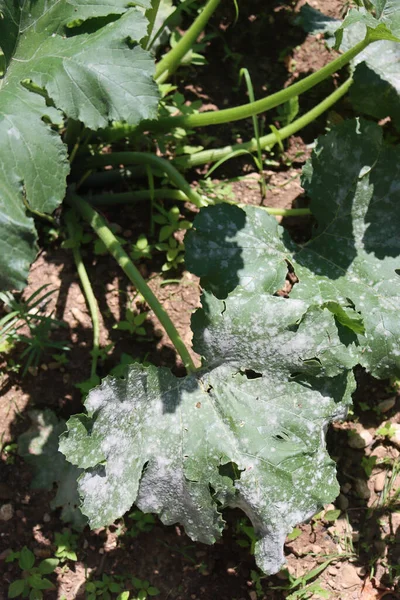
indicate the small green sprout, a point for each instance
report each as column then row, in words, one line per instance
column 32, row 583
column 66, row 543
column 142, row 523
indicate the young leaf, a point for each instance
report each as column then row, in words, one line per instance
column 16, row 588
column 184, row 430
column 26, row 559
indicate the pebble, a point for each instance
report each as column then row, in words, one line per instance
column 386, row 405
column 349, row 577
column 379, row 452
column 361, row 489
column 395, row 438
column 379, row 482
column 253, row 595
column 46, row 518
column 332, row 571
column 346, row 487
column 359, row 438
column 78, row 315
column 361, row 571
column 342, row 502
column 6, row 512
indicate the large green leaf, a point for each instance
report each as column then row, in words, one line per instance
column 93, row 77
column 166, row 444
column 350, row 267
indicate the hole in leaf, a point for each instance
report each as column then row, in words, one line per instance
column 230, row 470
column 250, row 374
column 397, row 271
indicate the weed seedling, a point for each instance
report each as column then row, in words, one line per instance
column 142, row 523
column 66, row 543
column 144, row 588
column 33, row 581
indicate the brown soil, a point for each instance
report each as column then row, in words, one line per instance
column 362, row 545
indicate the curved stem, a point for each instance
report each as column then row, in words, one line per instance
column 136, row 196
column 254, row 108
column 208, row 156
column 142, row 158
column 88, row 291
column 139, row 195
column 114, row 247
column 170, row 62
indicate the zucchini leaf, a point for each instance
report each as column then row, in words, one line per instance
column 352, row 260
column 94, row 77
column 185, row 448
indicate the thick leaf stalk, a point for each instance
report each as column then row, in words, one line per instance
column 254, row 108
column 114, row 247
column 170, row 62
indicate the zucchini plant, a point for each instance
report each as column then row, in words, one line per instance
column 247, row 428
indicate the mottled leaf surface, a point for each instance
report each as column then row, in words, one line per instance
column 349, row 267
column 160, row 441
column 93, row 77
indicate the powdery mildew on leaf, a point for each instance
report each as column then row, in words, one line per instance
column 160, row 441
column 351, row 262
column 95, row 78
column 270, row 335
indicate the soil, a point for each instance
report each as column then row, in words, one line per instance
column 356, row 554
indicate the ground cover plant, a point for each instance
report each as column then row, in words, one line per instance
column 82, row 90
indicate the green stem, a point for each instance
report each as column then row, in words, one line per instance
column 151, row 15
column 143, row 158
column 136, row 196
column 114, row 247
column 254, row 108
column 141, row 195
column 170, row 62
column 88, row 291
column 266, row 141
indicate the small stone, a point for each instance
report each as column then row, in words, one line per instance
column 379, row 482
column 395, row 438
column 361, row 571
column 46, row 518
column 379, row 452
column 359, row 438
column 78, row 315
column 101, row 551
column 361, row 489
column 316, row 549
column 346, row 487
column 342, row 502
column 386, row 405
column 253, row 595
column 332, row 571
column 44, row 367
column 6, row 512
column 349, row 577
column 330, row 507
